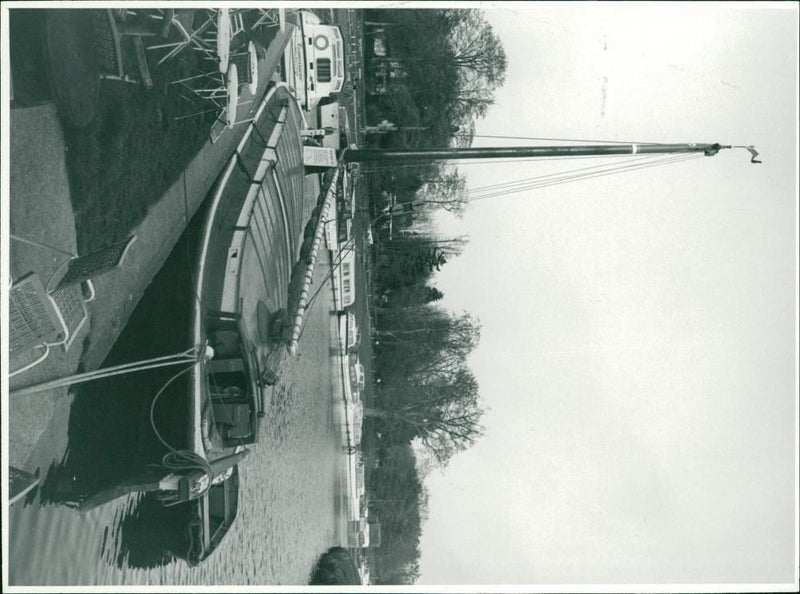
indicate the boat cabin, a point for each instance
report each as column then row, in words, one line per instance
column 315, row 60
column 349, row 333
column 357, row 375
column 236, row 398
column 344, row 282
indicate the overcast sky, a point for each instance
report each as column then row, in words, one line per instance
column 639, row 330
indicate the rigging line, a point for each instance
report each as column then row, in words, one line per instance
column 572, row 177
column 335, row 265
column 155, row 399
column 528, row 182
column 568, row 178
column 579, row 178
column 559, row 139
column 515, row 182
column 547, row 181
column 105, row 372
column 634, row 162
column 539, row 159
column 179, row 460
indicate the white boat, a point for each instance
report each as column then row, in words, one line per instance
column 315, row 60
column 349, row 334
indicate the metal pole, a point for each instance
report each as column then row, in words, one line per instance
column 361, row 155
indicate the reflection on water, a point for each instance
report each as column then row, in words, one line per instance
column 286, row 514
column 150, row 535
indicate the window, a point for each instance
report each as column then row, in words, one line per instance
column 324, row 69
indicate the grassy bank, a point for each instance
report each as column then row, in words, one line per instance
column 126, row 159
column 139, row 140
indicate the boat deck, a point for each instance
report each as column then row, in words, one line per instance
column 251, row 239
column 272, row 244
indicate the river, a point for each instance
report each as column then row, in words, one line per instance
column 288, row 513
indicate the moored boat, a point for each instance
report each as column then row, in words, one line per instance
column 249, row 240
column 316, row 59
column 248, row 243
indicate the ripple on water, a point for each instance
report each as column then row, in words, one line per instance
column 286, row 515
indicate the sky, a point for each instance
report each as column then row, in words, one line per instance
column 639, row 331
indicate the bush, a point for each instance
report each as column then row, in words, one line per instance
column 334, row 568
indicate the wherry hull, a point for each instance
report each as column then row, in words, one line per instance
column 249, row 239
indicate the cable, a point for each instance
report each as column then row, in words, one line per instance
column 179, row 460
column 155, row 399
column 164, row 361
column 376, row 168
column 570, row 177
column 557, row 139
column 336, row 264
column 516, row 182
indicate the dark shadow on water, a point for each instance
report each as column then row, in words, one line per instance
column 152, row 534
column 111, row 439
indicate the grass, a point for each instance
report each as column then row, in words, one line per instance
column 134, row 149
column 125, row 160
column 124, row 146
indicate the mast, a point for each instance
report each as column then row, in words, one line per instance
column 362, row 155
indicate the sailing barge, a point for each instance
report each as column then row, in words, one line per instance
column 249, row 241
column 242, row 276
column 250, row 237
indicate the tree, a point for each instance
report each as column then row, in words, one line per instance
column 426, row 390
column 397, row 499
column 411, row 296
column 335, row 568
column 411, row 258
column 447, row 191
column 452, row 62
column 471, row 100
column 444, row 415
column 476, row 48
column 447, row 65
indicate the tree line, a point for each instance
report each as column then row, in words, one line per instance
column 448, row 64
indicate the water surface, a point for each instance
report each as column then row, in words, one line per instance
column 287, row 512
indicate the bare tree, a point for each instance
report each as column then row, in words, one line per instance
column 427, row 391
column 477, row 48
column 443, row 415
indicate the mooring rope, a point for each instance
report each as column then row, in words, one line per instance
column 179, row 460
column 192, row 355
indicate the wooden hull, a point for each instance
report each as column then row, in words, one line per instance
column 249, row 240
